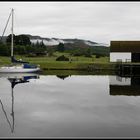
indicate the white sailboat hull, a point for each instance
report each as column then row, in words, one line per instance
column 18, row 69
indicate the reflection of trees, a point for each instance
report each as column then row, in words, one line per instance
column 14, row 81
column 62, row 76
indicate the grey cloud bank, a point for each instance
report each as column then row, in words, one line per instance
column 95, row 21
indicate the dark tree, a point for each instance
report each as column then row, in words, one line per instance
column 60, row 47
column 19, row 40
column 88, row 53
column 42, row 45
column 4, row 50
column 8, row 39
column 22, row 40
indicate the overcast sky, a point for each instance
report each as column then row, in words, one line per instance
column 95, row 21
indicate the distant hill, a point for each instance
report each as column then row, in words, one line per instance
column 56, row 41
column 73, row 43
column 69, row 43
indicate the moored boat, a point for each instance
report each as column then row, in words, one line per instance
column 17, row 66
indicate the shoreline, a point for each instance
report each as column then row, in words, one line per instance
column 82, row 67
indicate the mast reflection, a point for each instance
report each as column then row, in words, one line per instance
column 15, row 79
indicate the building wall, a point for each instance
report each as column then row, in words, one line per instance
column 120, row 56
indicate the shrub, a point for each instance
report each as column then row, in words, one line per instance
column 62, row 58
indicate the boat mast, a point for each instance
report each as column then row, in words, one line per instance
column 12, row 33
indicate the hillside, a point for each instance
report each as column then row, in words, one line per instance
column 56, row 41
column 70, row 43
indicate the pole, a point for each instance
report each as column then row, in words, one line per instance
column 12, row 33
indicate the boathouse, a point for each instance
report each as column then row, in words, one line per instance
column 125, row 51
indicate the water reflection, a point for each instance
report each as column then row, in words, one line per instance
column 15, row 79
column 126, row 85
column 62, row 76
column 76, row 106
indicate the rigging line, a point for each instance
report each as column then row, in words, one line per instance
column 6, row 25
column 5, row 114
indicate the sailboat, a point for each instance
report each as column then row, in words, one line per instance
column 17, row 66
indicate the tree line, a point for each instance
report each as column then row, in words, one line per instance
column 23, row 46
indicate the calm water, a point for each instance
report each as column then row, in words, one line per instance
column 69, row 106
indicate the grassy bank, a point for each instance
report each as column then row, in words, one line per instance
column 77, row 63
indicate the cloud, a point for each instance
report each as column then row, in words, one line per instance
column 96, row 21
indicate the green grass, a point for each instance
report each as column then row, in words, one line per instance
column 4, row 60
column 46, row 62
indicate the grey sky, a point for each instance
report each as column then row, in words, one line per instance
column 95, row 21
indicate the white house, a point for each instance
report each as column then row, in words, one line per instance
column 125, row 51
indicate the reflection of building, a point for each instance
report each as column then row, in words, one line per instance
column 125, row 51
column 129, row 86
